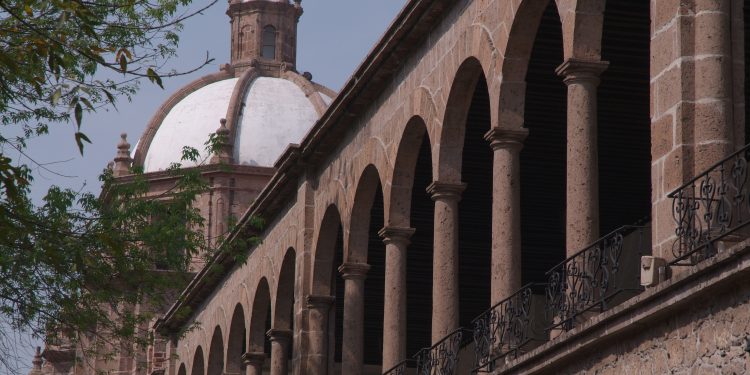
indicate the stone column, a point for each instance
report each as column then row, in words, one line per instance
column 714, row 131
column 280, row 340
column 582, row 209
column 396, row 241
column 253, row 362
column 506, row 211
column 352, row 352
column 445, row 258
column 318, row 308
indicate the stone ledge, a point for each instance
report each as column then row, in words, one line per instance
column 675, row 294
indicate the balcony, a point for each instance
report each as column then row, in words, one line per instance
column 600, row 276
column 711, row 210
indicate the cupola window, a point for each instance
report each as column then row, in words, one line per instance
column 269, row 43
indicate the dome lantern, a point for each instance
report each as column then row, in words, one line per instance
column 264, row 34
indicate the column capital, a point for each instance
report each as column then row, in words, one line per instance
column 253, row 359
column 575, row 70
column 446, row 190
column 500, row 138
column 354, row 271
column 392, row 234
column 279, row 334
column 317, row 300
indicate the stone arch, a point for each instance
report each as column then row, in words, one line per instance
column 258, row 317
column 325, row 251
column 398, row 192
column 182, row 370
column 515, row 63
column 285, row 292
column 454, row 121
column 359, row 221
column 236, row 340
column 216, row 354
column 198, row 367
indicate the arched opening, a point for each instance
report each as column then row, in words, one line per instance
column 336, row 319
column 419, row 253
column 475, row 209
column 216, row 354
column 543, row 162
column 366, row 246
column 624, row 117
column 236, row 341
column 412, row 207
column 182, row 370
column 268, row 49
column 328, row 283
column 260, row 319
column 198, row 364
column 285, row 296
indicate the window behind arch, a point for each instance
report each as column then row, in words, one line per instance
column 269, row 43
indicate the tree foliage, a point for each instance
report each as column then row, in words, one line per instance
column 62, row 58
column 78, row 264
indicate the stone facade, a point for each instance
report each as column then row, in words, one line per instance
column 418, row 83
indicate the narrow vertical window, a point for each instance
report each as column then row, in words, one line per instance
column 269, row 43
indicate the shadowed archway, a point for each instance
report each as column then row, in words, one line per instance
column 216, row 354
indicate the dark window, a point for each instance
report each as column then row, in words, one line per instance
column 269, row 43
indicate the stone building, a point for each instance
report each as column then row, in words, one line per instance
column 503, row 186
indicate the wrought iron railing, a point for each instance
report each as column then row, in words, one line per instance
column 441, row 358
column 591, row 278
column 503, row 329
column 710, row 207
column 400, row 368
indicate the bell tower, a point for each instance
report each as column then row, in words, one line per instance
column 264, row 34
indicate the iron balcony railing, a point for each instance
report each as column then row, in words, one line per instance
column 710, row 207
column 504, row 328
column 441, row 358
column 594, row 276
column 400, row 368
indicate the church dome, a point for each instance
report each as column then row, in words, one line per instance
column 264, row 115
column 266, row 104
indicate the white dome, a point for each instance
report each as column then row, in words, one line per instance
column 275, row 112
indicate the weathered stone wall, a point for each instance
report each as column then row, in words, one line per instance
column 707, row 338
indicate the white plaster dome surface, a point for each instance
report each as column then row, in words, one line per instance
column 189, row 123
column 275, row 112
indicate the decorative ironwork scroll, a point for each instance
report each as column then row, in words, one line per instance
column 441, row 358
column 588, row 279
column 503, row 329
column 710, row 207
column 400, row 368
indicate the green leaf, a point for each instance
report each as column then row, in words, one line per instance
column 78, row 114
column 80, row 138
column 153, row 77
column 56, row 96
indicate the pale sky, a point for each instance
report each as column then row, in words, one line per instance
column 334, row 36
